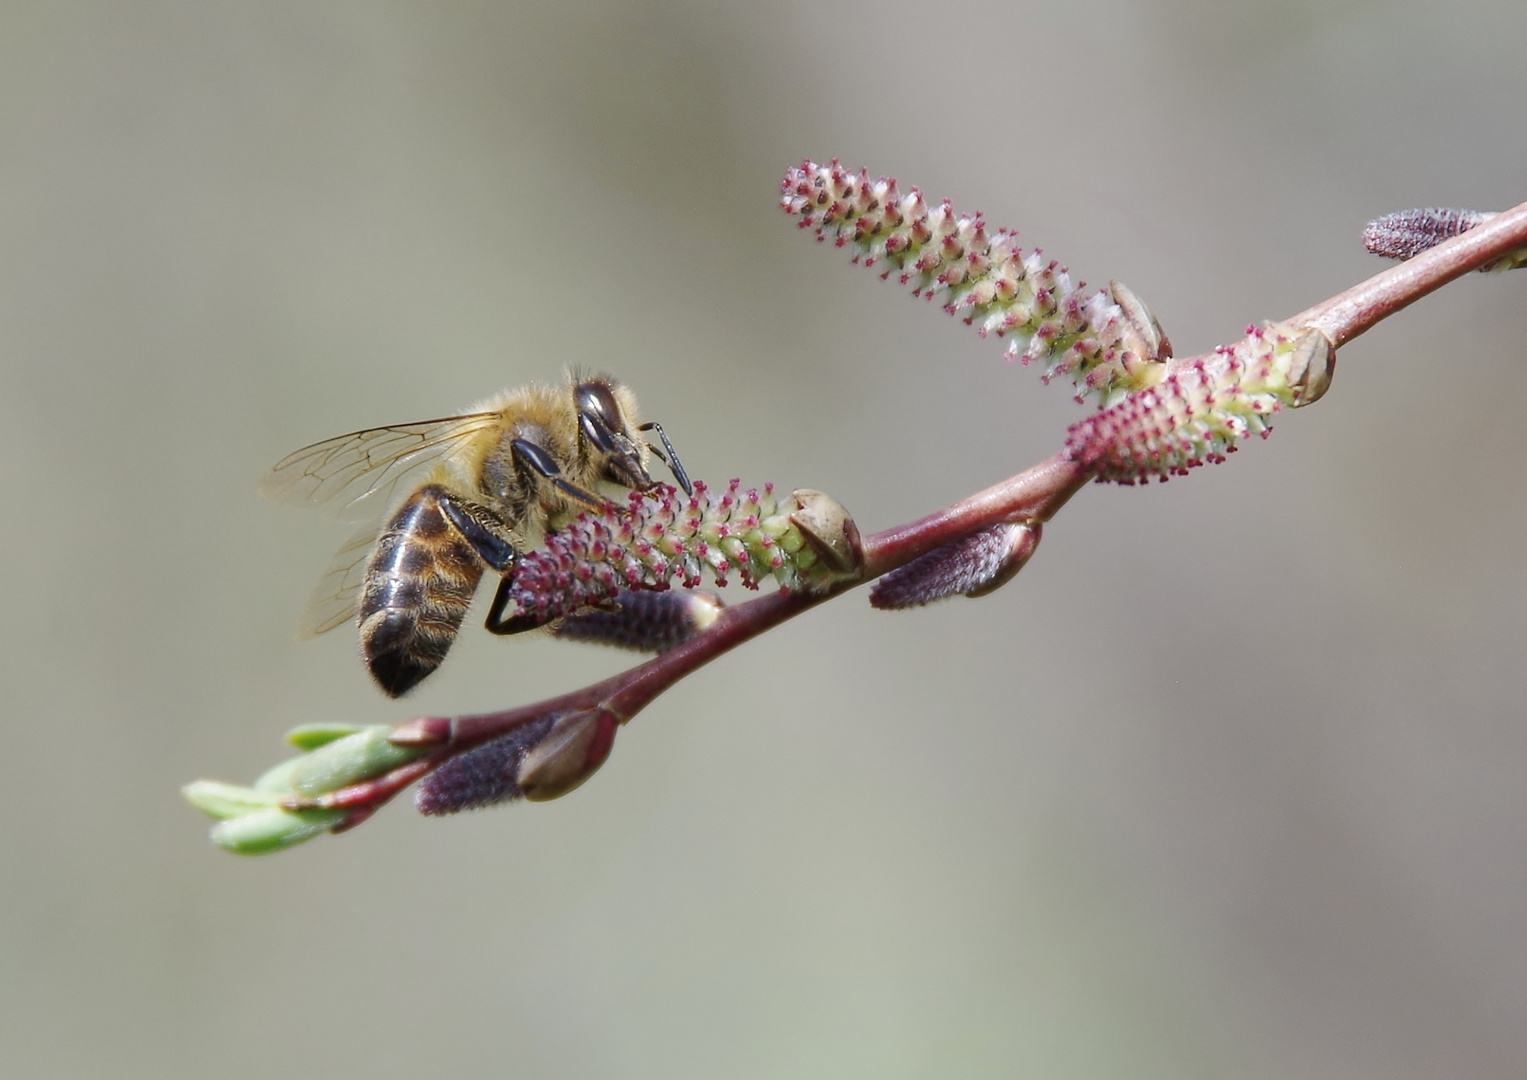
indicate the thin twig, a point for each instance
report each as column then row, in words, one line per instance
column 1032, row 496
column 1345, row 316
column 1037, row 493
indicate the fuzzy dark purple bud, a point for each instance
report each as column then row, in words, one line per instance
column 972, row 566
column 482, row 776
column 642, row 621
column 1406, row 233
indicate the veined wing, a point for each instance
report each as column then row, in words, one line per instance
column 335, row 599
column 340, row 472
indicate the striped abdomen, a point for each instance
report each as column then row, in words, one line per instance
column 418, row 585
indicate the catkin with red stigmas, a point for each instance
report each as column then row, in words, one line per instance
column 662, row 535
column 982, row 276
column 1197, row 413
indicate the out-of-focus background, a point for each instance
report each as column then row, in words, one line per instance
column 1232, row 781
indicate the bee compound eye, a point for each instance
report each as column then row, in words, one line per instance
column 596, row 401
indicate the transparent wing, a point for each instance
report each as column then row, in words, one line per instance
column 335, row 598
column 348, row 469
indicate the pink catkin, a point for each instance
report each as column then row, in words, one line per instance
column 980, row 275
column 1194, row 416
column 654, row 539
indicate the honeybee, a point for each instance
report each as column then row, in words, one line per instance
column 480, row 487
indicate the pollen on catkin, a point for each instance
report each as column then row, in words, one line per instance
column 1199, row 411
column 662, row 535
column 980, row 275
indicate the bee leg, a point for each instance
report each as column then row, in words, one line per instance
column 517, row 624
column 538, row 461
column 672, row 460
column 483, row 529
column 477, row 526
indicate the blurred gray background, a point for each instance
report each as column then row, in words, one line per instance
column 1232, row 781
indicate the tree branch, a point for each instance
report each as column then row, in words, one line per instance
column 547, row 748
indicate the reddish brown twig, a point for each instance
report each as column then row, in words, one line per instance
column 1346, row 315
column 565, row 738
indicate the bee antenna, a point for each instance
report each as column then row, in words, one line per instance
column 672, row 460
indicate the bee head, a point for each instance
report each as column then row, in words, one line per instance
column 603, row 422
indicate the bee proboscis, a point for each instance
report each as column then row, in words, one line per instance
column 480, row 486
